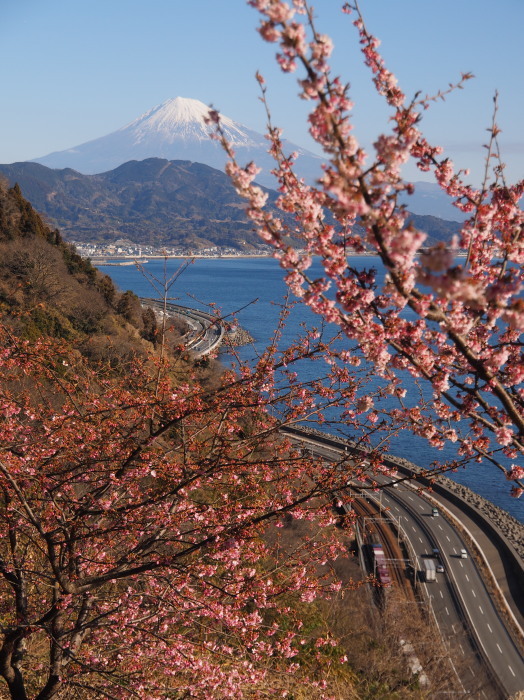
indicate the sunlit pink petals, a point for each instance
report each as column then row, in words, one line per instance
column 468, row 309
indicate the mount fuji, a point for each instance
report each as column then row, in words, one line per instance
column 175, row 130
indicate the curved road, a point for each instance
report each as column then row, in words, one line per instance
column 459, row 588
column 458, row 594
column 207, row 333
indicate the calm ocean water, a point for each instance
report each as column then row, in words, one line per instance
column 257, row 284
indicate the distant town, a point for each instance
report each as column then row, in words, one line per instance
column 124, row 248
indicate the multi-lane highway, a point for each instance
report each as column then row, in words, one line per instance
column 462, row 606
column 206, row 330
column 459, row 592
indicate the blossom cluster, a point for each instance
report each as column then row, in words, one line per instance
column 449, row 322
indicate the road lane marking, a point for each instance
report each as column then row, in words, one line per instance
column 413, row 528
column 447, row 611
column 448, row 539
column 467, row 577
column 489, row 627
column 461, row 649
column 461, row 564
column 420, row 538
column 482, row 611
column 474, row 594
column 410, row 498
column 512, row 671
column 441, row 594
column 440, row 527
column 499, row 648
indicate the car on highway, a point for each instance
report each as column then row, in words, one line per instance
column 440, row 568
column 434, row 512
column 463, row 554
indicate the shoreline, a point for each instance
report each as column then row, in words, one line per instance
column 112, row 260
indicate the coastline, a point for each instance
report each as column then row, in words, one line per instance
column 113, row 260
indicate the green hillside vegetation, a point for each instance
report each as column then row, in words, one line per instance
column 155, row 202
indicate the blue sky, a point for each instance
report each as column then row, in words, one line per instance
column 74, row 70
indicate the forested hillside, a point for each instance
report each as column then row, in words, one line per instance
column 156, row 202
column 48, row 290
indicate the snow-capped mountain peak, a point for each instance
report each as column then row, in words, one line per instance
column 176, row 130
column 184, row 118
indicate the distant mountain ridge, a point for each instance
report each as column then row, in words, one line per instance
column 156, row 202
column 176, row 130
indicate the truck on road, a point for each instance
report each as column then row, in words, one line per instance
column 430, row 570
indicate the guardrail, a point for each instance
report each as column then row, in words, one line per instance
column 206, row 320
column 508, row 551
column 454, row 588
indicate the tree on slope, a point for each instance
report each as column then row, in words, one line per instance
column 453, row 325
column 135, row 558
column 133, row 561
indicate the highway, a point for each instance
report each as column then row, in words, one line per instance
column 207, row 331
column 459, row 595
column 460, row 591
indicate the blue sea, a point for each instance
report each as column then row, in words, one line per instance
column 254, row 290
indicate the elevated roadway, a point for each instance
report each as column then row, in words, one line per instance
column 207, row 331
column 463, row 607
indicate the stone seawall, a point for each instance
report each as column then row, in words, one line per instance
column 504, row 523
column 237, row 337
column 508, row 528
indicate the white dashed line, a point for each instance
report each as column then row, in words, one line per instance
column 410, row 498
column 448, row 539
column 421, row 540
column 461, row 649
column 474, row 594
column 490, row 628
column 499, row 648
column 512, row 671
column 441, row 594
column 461, row 564
column 482, row 611
column 440, row 527
column 467, row 577
column 447, row 611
